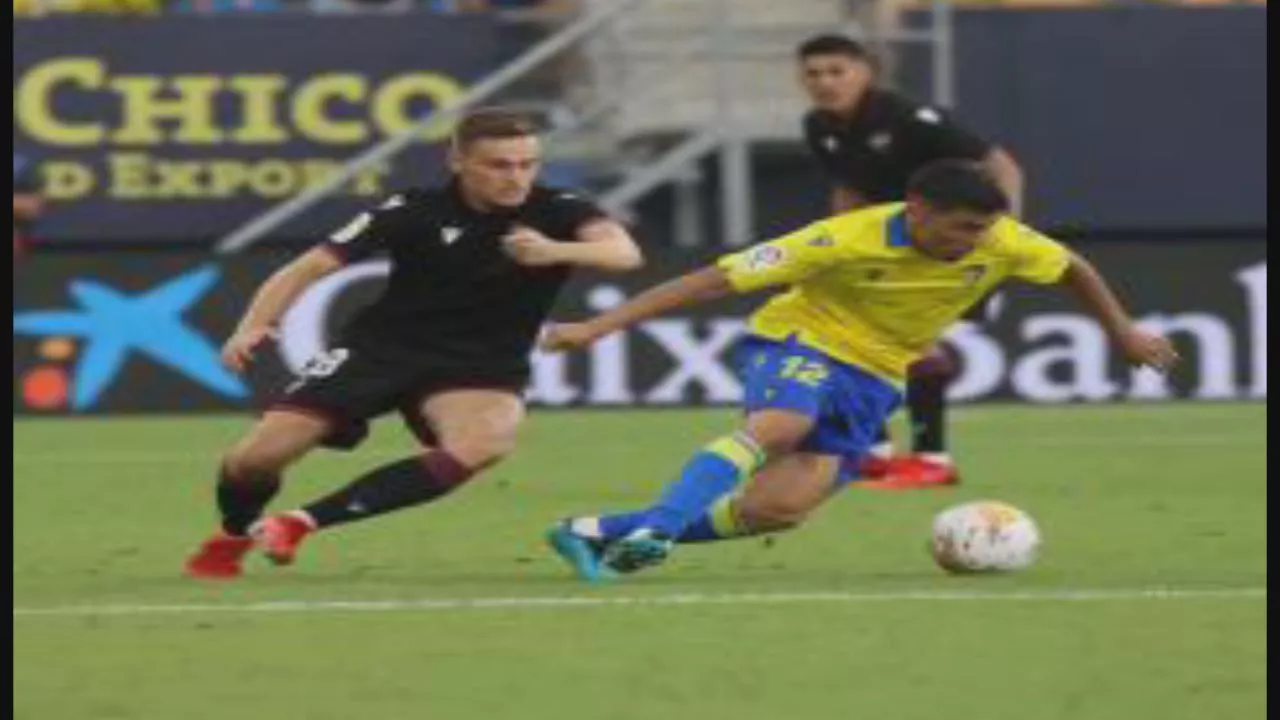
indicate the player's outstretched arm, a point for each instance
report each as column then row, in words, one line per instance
column 699, row 286
column 1139, row 346
column 272, row 300
column 783, row 261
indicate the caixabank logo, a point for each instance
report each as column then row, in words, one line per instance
column 1035, row 345
column 139, row 331
column 79, row 350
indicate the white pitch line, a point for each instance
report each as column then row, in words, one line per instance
column 684, row 599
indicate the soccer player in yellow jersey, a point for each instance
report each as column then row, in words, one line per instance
column 824, row 363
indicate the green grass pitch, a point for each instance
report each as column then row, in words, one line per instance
column 456, row 610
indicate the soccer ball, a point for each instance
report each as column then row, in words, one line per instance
column 984, row 536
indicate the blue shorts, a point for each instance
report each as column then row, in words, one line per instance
column 848, row 405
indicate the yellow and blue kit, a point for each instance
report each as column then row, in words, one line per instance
column 861, row 305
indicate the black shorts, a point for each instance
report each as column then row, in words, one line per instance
column 348, row 387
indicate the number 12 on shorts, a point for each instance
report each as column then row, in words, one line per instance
column 804, row 370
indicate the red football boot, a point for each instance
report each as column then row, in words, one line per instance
column 873, row 466
column 280, row 535
column 915, row 471
column 219, row 557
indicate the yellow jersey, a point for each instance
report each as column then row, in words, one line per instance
column 861, row 293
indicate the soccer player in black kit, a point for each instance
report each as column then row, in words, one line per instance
column 475, row 268
column 869, row 140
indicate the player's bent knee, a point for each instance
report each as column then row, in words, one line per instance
column 770, row 522
column 478, row 450
column 772, row 516
column 776, row 442
column 778, row 433
column 272, row 446
column 248, row 463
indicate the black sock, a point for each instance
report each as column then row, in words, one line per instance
column 397, row 485
column 242, row 498
column 927, row 401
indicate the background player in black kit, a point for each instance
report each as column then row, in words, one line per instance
column 476, row 266
column 869, row 140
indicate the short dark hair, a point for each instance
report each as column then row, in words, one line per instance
column 492, row 123
column 832, row 45
column 957, row 185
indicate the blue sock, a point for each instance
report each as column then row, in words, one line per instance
column 613, row 527
column 700, row 530
column 718, row 523
column 713, row 472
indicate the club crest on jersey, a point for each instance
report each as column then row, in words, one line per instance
column 929, row 115
column 450, row 234
column 880, row 142
column 822, row 241
column 974, row 273
column 830, row 143
column 874, row 274
column 765, row 256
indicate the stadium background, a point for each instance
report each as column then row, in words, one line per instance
column 157, row 134
column 153, row 140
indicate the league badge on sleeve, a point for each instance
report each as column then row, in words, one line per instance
column 764, row 257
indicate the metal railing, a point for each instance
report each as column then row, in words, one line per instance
column 502, row 78
column 714, row 47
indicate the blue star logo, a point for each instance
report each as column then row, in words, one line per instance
column 111, row 325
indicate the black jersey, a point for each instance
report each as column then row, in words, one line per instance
column 454, row 298
column 888, row 138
